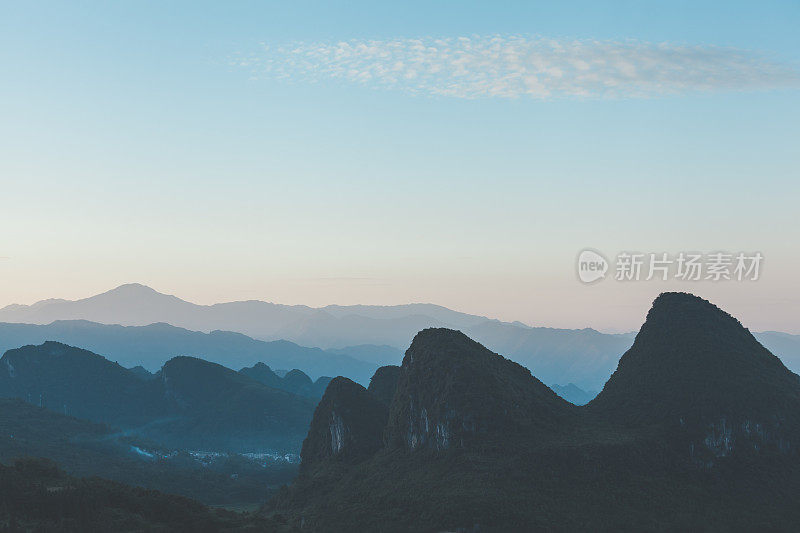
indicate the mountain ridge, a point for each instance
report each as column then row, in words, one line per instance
column 469, row 445
column 190, row 403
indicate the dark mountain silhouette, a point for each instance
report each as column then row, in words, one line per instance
column 697, row 428
column 348, row 424
column 264, row 374
column 696, row 367
column 453, row 392
column 220, row 409
column 294, row 381
column 357, row 339
column 189, row 403
column 141, row 372
column 384, row 383
column 152, row 346
column 79, row 382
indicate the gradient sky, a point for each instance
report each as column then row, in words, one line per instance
column 235, row 150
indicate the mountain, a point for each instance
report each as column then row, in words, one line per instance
column 384, row 383
column 584, row 357
column 295, row 381
column 356, row 339
column 348, row 424
column 189, row 403
column 328, row 327
column 153, row 345
column 784, row 345
column 695, row 367
column 378, row 355
column 80, row 383
column 573, row 394
column 210, row 407
column 453, row 392
column 696, row 429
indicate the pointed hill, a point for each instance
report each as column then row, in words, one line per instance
column 691, row 360
column 348, row 424
column 452, row 391
column 697, row 428
column 384, row 383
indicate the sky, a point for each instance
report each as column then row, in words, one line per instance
column 458, row 153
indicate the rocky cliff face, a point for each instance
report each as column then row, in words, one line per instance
column 453, row 392
column 348, row 424
column 697, row 370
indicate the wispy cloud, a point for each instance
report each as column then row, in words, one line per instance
column 515, row 66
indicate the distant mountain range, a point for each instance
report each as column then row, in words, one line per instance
column 351, row 341
column 153, row 345
column 327, row 327
column 697, row 428
column 189, row 404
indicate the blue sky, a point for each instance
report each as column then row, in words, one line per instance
column 147, row 142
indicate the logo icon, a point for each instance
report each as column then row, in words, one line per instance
column 591, row 266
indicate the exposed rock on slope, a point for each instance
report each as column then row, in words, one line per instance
column 696, row 429
column 453, row 392
column 348, row 424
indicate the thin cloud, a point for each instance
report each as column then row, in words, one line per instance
column 519, row 66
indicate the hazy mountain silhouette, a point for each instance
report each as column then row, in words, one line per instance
column 335, row 326
column 189, row 403
column 294, row 381
column 698, row 427
column 372, row 334
column 152, row 346
column 574, row 394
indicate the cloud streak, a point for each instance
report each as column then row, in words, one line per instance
column 519, row 66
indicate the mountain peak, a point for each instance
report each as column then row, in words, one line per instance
column 133, row 287
column 452, row 392
column 135, row 290
column 348, row 424
column 692, row 361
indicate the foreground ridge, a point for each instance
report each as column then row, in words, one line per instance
column 692, row 428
